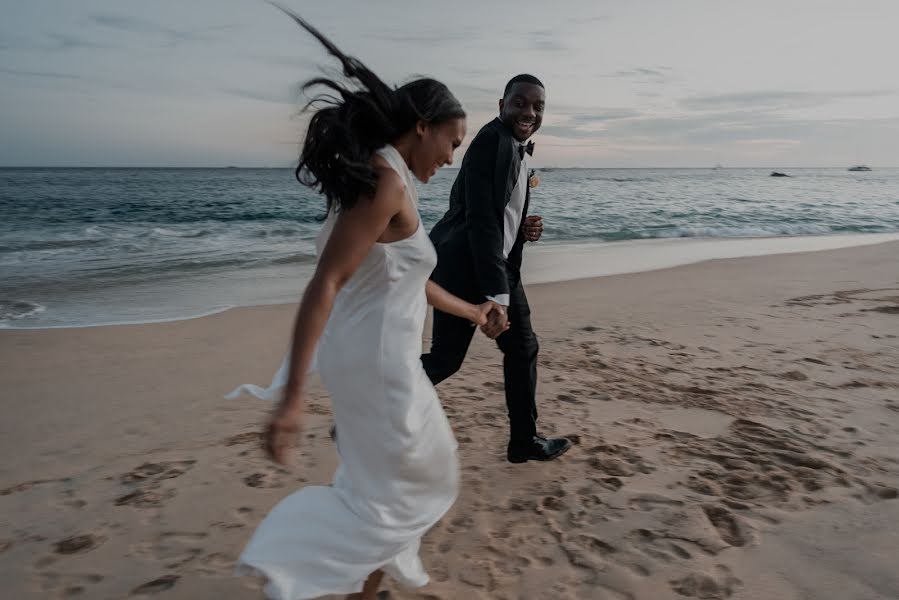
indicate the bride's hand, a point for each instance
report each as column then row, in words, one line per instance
column 481, row 311
column 282, row 432
column 497, row 322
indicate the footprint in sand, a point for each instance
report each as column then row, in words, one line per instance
column 876, row 492
column 522, row 505
column 27, row 485
column 729, row 528
column 649, row 502
column 248, row 437
column 264, row 480
column 569, row 399
column 151, row 588
column 78, row 544
column 618, row 461
column 794, row 376
column 656, row 545
column 216, row 564
column 815, row 361
column 552, row 503
column 173, row 549
column 70, row 586
column 158, row 471
column 597, row 545
column 479, row 575
column 756, row 464
column 144, row 498
column 70, row 501
column 708, row 586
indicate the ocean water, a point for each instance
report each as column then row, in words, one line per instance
column 96, row 246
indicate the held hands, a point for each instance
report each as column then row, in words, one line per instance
column 532, row 227
column 497, row 322
column 491, row 317
column 282, row 432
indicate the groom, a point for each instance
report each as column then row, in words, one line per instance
column 479, row 244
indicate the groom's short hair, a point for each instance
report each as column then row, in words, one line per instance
column 523, row 78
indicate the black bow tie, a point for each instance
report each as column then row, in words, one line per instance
column 522, row 148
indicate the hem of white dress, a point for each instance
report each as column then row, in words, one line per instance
column 245, row 569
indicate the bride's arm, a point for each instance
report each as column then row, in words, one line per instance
column 446, row 302
column 354, row 233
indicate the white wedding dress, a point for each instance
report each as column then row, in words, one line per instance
column 398, row 471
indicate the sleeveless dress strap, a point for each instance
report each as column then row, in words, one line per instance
column 396, row 162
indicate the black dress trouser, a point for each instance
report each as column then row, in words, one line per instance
column 452, row 336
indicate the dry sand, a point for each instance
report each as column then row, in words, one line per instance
column 736, row 422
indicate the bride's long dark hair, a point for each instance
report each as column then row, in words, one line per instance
column 357, row 119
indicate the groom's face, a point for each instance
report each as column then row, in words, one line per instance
column 522, row 109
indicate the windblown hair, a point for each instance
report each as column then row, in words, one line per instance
column 358, row 118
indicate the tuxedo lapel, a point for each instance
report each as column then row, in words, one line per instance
column 507, row 163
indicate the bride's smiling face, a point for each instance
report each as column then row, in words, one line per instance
column 435, row 146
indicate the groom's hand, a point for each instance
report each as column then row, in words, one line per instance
column 532, row 227
column 497, row 322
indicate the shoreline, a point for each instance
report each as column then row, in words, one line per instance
column 547, row 263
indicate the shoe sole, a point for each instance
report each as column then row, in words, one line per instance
column 518, row 461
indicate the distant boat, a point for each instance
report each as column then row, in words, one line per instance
column 717, row 167
column 778, row 174
column 860, row 168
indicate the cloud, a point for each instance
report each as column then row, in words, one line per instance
column 775, row 99
column 588, row 20
column 625, row 123
column 612, row 114
column 137, row 25
column 428, row 36
column 58, row 42
column 758, row 128
column 643, row 72
column 64, row 41
column 568, row 132
column 748, row 119
column 547, row 41
column 293, row 62
column 582, row 123
column 645, row 75
column 40, row 74
column 293, row 98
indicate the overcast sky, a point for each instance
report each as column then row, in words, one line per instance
column 687, row 83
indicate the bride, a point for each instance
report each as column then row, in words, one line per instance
column 362, row 317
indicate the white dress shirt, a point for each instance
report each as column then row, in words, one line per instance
column 513, row 214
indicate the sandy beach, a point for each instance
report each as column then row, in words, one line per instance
column 736, row 425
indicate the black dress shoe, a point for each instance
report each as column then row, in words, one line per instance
column 539, row 448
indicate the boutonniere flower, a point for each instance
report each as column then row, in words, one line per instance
column 533, row 180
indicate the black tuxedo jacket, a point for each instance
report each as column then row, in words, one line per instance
column 469, row 237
